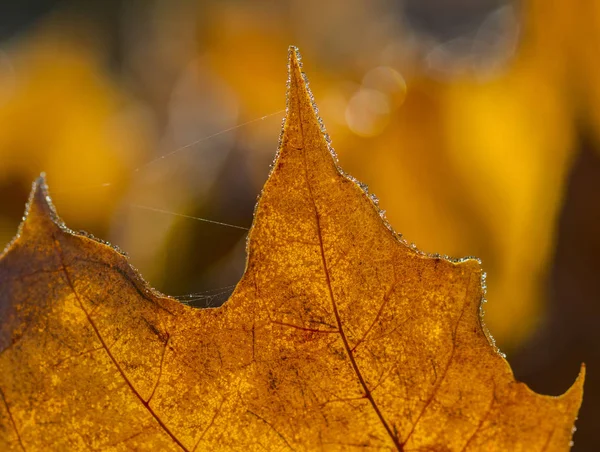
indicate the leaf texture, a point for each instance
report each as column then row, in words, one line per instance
column 338, row 337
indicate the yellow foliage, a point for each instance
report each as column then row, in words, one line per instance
column 61, row 114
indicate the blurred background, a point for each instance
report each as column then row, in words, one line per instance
column 475, row 122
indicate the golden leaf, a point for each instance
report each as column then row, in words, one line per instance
column 338, row 336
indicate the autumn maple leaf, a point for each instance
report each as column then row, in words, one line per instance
column 338, row 336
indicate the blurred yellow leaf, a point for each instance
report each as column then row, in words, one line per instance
column 479, row 168
column 63, row 115
column 339, row 336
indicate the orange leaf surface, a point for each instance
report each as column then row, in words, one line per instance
column 338, row 336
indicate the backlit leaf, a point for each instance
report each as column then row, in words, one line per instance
column 338, row 336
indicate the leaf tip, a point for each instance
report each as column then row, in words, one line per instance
column 39, row 198
column 294, row 71
column 574, row 395
column 39, row 212
column 580, row 380
column 294, row 58
column 39, row 208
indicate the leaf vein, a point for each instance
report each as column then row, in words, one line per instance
column 109, row 353
column 338, row 319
